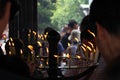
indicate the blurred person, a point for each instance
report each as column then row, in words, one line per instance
column 75, row 40
column 14, row 67
column 63, row 31
column 8, row 9
column 88, row 33
column 105, row 14
column 60, row 46
column 71, row 25
column 86, row 38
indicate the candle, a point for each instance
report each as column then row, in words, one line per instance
column 86, row 53
column 28, row 38
column 12, row 49
column 47, row 51
column 21, row 52
column 33, row 55
column 41, row 51
column 64, row 54
column 10, row 52
column 34, row 34
column 91, row 56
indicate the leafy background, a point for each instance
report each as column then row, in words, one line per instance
column 57, row 13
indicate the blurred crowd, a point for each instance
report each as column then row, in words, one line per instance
column 25, row 60
column 87, row 41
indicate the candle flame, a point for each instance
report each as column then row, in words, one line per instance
column 56, row 56
column 13, row 44
column 42, row 38
column 83, row 48
column 47, row 50
column 89, row 48
column 4, row 36
column 91, row 44
column 34, row 33
column 64, row 54
column 9, row 44
column 39, row 36
column 21, row 51
column 46, row 33
column 28, row 35
column 41, row 65
column 47, row 62
column 94, row 50
column 68, row 44
column 79, row 57
column 84, row 45
column 30, row 47
column 39, row 43
column 91, row 33
column 76, row 39
column 42, row 59
column 29, row 30
column 68, row 55
column 45, row 36
column 11, row 39
column 10, row 52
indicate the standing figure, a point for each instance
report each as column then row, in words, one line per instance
column 105, row 14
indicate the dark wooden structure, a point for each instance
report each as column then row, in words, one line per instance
column 25, row 20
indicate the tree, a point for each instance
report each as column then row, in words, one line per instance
column 65, row 11
column 57, row 13
column 44, row 13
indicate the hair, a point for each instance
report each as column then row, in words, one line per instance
column 86, row 35
column 86, row 26
column 47, row 29
column 107, row 14
column 84, row 23
column 15, row 7
column 74, row 34
column 72, row 23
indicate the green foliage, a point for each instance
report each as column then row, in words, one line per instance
column 67, row 10
column 44, row 13
column 57, row 13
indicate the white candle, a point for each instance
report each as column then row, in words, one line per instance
column 91, row 56
column 41, row 51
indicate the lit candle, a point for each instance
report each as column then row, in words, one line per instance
column 21, row 52
column 41, row 65
column 68, row 44
column 41, row 50
column 28, row 38
column 12, row 49
column 10, row 53
column 86, row 53
column 47, row 51
column 64, row 54
column 33, row 55
column 34, row 33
